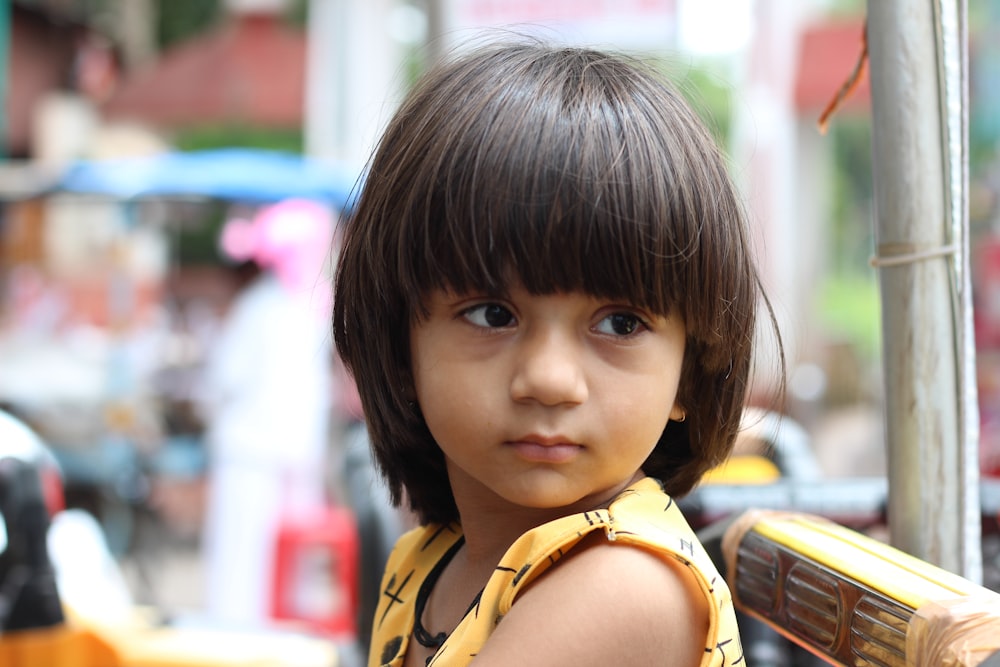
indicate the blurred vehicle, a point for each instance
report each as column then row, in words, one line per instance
column 30, row 492
column 19, row 442
column 63, row 602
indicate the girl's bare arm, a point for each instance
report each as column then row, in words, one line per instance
column 605, row 604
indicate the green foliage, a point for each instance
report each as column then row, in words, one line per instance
column 850, row 310
column 849, row 301
column 179, row 20
column 242, row 136
column 846, row 8
column 851, row 229
column 706, row 89
column 711, row 96
column 196, row 243
column 297, row 13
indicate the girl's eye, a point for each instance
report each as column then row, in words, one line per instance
column 489, row 315
column 620, row 324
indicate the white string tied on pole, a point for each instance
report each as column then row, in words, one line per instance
column 886, row 259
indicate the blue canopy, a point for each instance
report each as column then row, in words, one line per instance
column 237, row 174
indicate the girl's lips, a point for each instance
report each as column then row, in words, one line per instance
column 544, row 450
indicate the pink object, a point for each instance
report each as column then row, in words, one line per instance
column 292, row 239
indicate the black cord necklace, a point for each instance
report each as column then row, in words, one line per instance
column 423, row 637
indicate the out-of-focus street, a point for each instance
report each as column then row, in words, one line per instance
column 174, row 180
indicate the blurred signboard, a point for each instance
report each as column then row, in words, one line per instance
column 619, row 24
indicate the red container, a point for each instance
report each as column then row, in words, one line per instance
column 316, row 572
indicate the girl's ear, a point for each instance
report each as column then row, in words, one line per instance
column 678, row 413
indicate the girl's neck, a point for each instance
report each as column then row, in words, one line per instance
column 489, row 533
column 490, row 528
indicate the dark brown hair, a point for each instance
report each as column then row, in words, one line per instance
column 576, row 170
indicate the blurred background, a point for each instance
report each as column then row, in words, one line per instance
column 113, row 288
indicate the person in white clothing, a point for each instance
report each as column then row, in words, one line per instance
column 266, row 399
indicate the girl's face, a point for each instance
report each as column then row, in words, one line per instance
column 544, row 402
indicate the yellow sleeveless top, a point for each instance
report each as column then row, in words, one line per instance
column 642, row 515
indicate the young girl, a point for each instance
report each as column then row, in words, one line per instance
column 547, row 300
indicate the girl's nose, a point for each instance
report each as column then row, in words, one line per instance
column 549, row 370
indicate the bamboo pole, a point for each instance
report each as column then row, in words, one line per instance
column 915, row 55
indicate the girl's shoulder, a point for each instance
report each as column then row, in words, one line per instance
column 644, row 513
column 601, row 604
column 641, row 515
column 629, row 583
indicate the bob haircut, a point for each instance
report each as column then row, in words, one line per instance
column 567, row 169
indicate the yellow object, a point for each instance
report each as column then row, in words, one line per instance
column 854, row 600
column 59, row 646
column 743, row 469
column 142, row 643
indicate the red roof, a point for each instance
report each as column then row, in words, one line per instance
column 250, row 70
column 828, row 54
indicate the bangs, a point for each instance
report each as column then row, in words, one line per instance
column 562, row 187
